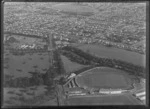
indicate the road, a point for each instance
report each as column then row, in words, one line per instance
column 50, row 49
column 59, row 89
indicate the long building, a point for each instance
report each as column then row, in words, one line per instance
column 77, row 94
column 140, row 94
column 111, row 91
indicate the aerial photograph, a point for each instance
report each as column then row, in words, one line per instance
column 74, row 53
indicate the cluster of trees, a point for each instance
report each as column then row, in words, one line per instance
column 76, row 58
column 11, row 40
column 114, row 63
column 24, row 35
column 58, row 64
column 36, row 79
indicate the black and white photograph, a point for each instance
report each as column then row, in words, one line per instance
column 74, row 53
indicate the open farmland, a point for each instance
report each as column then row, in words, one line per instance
column 115, row 53
column 71, row 66
column 125, row 99
column 105, row 78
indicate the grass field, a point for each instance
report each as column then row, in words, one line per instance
column 115, row 53
column 125, row 99
column 105, row 78
column 13, row 94
column 71, row 66
column 19, row 66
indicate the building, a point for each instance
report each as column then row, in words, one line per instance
column 140, row 94
column 77, row 94
column 110, row 91
column 72, row 75
column 142, row 98
column 143, row 80
column 71, row 92
column 116, row 91
column 104, row 91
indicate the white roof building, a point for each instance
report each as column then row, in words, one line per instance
column 116, row 92
column 143, row 80
column 72, row 75
column 142, row 98
column 140, row 94
column 106, row 91
column 75, row 92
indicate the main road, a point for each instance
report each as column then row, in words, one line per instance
column 50, row 49
column 59, row 89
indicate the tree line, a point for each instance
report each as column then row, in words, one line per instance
column 107, row 62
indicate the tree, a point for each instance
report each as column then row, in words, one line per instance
column 62, row 80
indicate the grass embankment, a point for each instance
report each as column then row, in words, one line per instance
column 71, row 66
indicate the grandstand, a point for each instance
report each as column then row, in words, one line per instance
column 77, row 94
column 72, row 83
column 143, row 80
column 76, row 88
column 141, row 95
column 142, row 98
column 76, row 91
column 104, row 91
column 111, row 91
